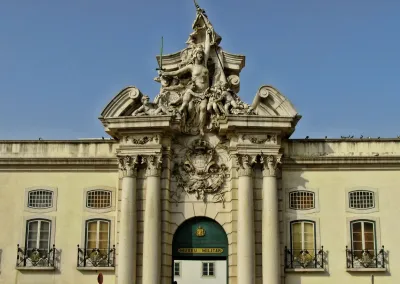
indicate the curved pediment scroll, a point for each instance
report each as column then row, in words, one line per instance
column 124, row 103
column 270, row 102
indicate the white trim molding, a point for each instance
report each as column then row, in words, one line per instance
column 362, row 211
column 101, row 188
column 53, row 208
column 302, row 211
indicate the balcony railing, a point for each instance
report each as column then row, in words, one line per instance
column 35, row 257
column 96, row 257
column 365, row 258
column 304, row 259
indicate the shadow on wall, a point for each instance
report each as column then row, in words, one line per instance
column 294, row 177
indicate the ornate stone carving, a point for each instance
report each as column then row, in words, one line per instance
column 200, row 172
column 148, row 108
column 262, row 139
column 153, row 165
column 202, row 90
column 140, row 140
column 245, row 164
column 128, row 165
column 270, row 165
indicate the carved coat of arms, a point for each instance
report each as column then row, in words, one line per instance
column 200, row 173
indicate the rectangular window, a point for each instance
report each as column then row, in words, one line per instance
column 40, row 199
column 38, row 234
column 177, row 269
column 98, row 234
column 303, row 236
column 361, row 199
column 301, row 200
column 98, row 199
column 208, row 269
column 363, row 237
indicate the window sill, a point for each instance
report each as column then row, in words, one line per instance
column 96, row 268
column 361, row 269
column 37, row 268
column 297, row 270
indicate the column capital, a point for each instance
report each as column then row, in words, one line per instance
column 245, row 164
column 270, row 165
column 153, row 165
column 127, row 165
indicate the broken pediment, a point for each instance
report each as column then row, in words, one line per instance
column 270, row 102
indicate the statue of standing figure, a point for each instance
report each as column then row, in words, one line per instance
column 200, row 81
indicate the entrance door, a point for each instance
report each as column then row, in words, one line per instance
column 200, row 252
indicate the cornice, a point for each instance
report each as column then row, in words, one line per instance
column 59, row 164
column 342, row 163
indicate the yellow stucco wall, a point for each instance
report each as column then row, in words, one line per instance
column 332, row 216
column 69, row 220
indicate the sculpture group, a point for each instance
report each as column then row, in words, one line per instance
column 199, row 92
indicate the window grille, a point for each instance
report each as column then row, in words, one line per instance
column 40, row 199
column 98, row 199
column 362, row 199
column 208, row 268
column 177, row 269
column 301, row 200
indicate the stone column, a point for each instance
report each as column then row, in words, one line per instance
column 245, row 233
column 271, row 264
column 152, row 222
column 127, row 228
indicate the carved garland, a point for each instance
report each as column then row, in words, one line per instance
column 258, row 140
column 141, row 141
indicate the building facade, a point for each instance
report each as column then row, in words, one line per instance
column 199, row 187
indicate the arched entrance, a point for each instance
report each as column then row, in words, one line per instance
column 200, row 252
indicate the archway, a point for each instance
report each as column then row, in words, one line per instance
column 200, row 252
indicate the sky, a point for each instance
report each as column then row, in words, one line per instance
column 62, row 61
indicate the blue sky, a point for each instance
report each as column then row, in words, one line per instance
column 61, row 62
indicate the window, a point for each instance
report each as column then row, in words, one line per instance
column 303, row 236
column 208, row 269
column 38, row 234
column 40, row 198
column 98, row 199
column 98, row 235
column 301, row 200
column 363, row 237
column 177, row 269
column 361, row 199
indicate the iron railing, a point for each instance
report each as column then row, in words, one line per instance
column 96, row 257
column 304, row 258
column 35, row 257
column 365, row 258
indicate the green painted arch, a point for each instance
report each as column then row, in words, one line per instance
column 200, row 237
